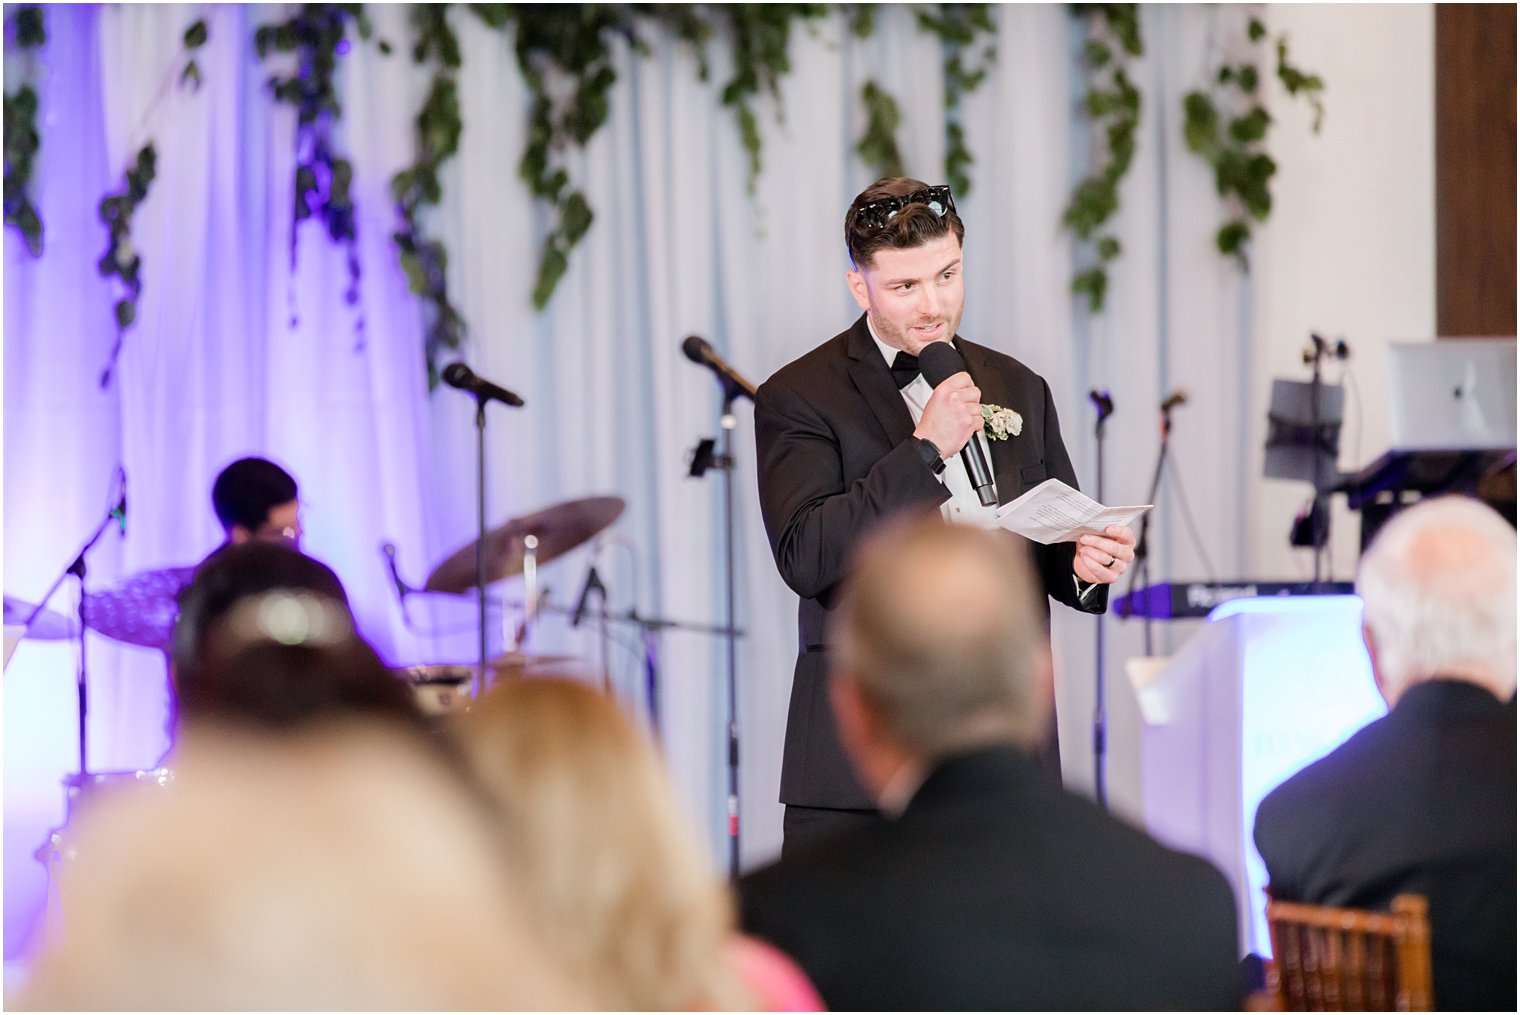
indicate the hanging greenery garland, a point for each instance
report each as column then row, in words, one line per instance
column 1227, row 126
column 567, row 58
column 121, row 259
column 22, row 141
column 418, row 188
column 960, row 28
column 1112, row 103
column 317, row 35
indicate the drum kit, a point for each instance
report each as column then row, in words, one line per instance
column 142, row 609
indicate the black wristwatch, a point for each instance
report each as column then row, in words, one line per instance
column 931, row 456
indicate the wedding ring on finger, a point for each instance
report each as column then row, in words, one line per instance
column 1111, row 562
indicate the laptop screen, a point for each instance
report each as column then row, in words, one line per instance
column 1455, row 394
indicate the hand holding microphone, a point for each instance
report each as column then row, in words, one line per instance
column 941, row 365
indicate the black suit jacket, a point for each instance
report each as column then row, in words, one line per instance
column 998, row 890
column 835, row 457
column 1421, row 800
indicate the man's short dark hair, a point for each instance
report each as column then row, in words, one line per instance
column 234, row 573
column 248, row 489
column 913, row 226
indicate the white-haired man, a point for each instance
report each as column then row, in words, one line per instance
column 988, row 887
column 1423, row 799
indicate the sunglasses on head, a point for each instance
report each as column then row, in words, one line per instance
column 875, row 214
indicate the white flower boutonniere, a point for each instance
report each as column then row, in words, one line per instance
column 999, row 424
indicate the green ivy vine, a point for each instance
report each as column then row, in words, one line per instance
column 121, row 259
column 1227, row 127
column 960, row 27
column 417, row 188
column 317, row 35
column 1112, row 104
column 22, row 141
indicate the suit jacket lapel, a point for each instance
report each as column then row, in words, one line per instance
column 1005, row 463
column 873, row 379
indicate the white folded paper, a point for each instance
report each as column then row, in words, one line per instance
column 1055, row 513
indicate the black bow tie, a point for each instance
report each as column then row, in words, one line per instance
column 904, row 369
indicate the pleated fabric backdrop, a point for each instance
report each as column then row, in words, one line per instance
column 236, row 352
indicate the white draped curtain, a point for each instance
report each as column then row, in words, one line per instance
column 235, row 352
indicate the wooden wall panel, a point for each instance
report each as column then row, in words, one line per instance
column 1475, row 169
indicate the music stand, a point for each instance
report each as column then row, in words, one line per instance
column 1303, row 443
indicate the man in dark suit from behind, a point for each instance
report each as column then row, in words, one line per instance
column 988, row 886
column 1423, row 799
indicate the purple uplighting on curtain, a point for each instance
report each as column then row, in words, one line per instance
column 232, row 354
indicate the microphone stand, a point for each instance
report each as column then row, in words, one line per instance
column 724, row 461
column 1142, row 568
column 480, row 540
column 79, row 569
column 1105, row 407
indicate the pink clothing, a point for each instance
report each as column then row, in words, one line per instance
column 776, row 982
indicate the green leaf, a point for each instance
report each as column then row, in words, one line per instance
column 31, row 31
column 195, row 35
column 1108, row 248
column 1093, row 283
column 126, row 313
column 552, row 266
column 1251, row 127
column 1256, row 31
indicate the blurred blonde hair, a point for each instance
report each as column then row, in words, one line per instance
column 621, row 885
column 341, row 868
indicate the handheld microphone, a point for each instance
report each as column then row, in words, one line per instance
column 937, row 361
column 402, row 588
column 457, row 375
column 1102, row 401
column 699, row 351
column 1176, row 398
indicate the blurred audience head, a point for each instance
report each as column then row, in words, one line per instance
column 336, row 869
column 283, row 659
column 1438, row 588
column 255, row 499
column 938, row 647
column 619, row 882
column 232, row 574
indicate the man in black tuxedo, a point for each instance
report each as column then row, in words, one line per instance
column 1423, row 799
column 986, row 886
column 843, row 445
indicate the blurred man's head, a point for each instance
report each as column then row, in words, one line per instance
column 904, row 240
column 938, row 647
column 256, row 499
column 1438, row 586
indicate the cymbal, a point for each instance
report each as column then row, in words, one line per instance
column 458, row 673
column 48, row 625
column 560, row 529
column 527, row 661
column 139, row 611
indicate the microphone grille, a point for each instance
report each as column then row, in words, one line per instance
column 695, row 347
column 938, row 360
column 457, row 375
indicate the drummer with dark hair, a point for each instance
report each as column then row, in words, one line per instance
column 256, row 499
